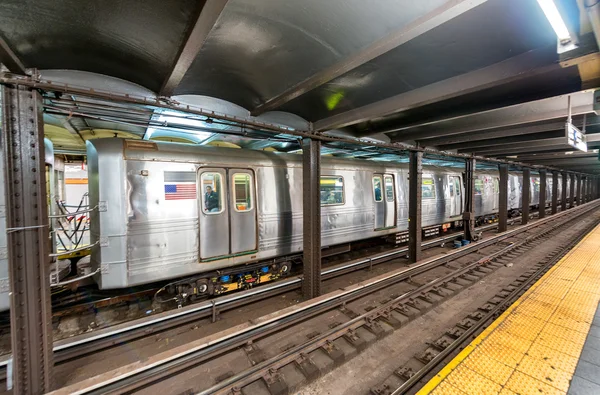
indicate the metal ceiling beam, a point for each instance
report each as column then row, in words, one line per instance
column 508, row 132
column 518, row 114
column 449, row 10
column 566, row 161
column 474, row 145
column 522, row 66
column 557, row 143
column 9, row 59
column 207, row 18
column 558, row 156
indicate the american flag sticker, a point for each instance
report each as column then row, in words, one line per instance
column 180, row 185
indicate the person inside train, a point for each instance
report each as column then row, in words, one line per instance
column 211, row 200
column 377, row 191
column 332, row 199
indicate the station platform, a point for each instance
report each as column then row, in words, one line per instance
column 547, row 342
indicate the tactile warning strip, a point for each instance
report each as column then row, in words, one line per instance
column 532, row 348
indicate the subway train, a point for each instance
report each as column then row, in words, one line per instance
column 213, row 219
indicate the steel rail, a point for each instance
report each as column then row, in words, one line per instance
column 73, row 347
column 130, row 377
column 257, row 371
column 490, row 316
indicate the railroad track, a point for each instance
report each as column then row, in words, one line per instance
column 333, row 314
column 100, row 339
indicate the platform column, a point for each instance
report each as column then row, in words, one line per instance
column 554, row 192
column 571, row 190
column 415, row 192
column 311, row 175
column 583, row 189
column 579, row 189
column 563, row 193
column 469, row 214
column 503, row 198
column 27, row 240
column 588, row 189
column 542, row 201
column 525, row 198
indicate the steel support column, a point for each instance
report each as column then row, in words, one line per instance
column 579, row 189
column 572, row 191
column 27, row 240
column 583, row 190
column 469, row 214
column 503, row 198
column 554, row 192
column 311, row 175
column 415, row 180
column 542, row 201
column 563, row 193
column 525, row 198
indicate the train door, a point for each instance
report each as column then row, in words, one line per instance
column 384, row 194
column 455, row 196
column 227, row 212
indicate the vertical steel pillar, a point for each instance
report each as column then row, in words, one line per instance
column 542, row 201
column 503, row 198
column 469, row 214
column 415, row 192
column 572, row 191
column 583, row 190
column 563, row 193
column 27, row 239
column 579, row 189
column 311, row 176
column 588, row 189
column 525, row 198
column 554, row 192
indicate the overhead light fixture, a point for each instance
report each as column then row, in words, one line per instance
column 557, row 22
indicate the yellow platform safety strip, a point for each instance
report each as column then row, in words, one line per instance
column 534, row 346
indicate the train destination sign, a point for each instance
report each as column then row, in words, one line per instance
column 575, row 138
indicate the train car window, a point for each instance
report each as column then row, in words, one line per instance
column 242, row 191
column 496, row 185
column 478, row 186
column 332, row 190
column 377, row 188
column 457, row 186
column 389, row 188
column 428, row 188
column 212, row 196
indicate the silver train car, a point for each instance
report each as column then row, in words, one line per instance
column 169, row 211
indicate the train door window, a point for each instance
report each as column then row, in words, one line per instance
column 377, row 188
column 332, row 190
column 428, row 188
column 478, row 186
column 451, row 186
column 242, row 192
column 212, row 197
column 457, row 186
column 496, row 185
column 389, row 188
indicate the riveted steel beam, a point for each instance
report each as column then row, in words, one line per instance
column 415, row 180
column 28, row 239
column 503, row 198
column 311, row 175
column 571, row 190
column 554, row 192
column 469, row 214
column 525, row 191
column 198, row 32
column 543, row 186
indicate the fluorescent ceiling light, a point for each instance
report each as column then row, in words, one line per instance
column 558, row 24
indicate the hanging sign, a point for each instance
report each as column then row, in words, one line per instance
column 575, row 138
